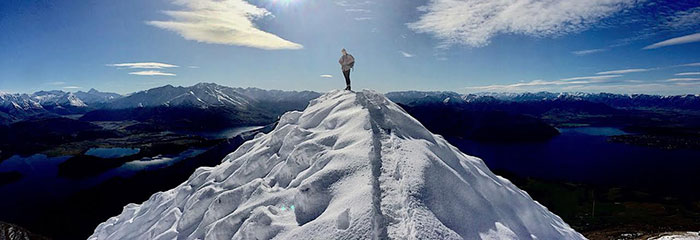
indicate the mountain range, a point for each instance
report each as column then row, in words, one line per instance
column 16, row 107
column 162, row 102
column 688, row 101
column 167, row 104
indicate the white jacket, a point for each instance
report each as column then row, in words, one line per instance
column 346, row 62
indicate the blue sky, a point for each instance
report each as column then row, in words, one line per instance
column 623, row 46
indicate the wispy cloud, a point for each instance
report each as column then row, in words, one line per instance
column 625, row 86
column 682, row 79
column 193, row 66
column 56, row 83
column 543, row 85
column 665, row 21
column 143, row 65
column 676, row 41
column 592, row 78
column 523, row 86
column 326, row 76
column 72, row 87
column 345, row 3
column 624, row 71
column 407, row 55
column 152, row 73
column 223, row 22
column 683, row 19
column 687, row 74
column 475, row 22
column 589, row 51
column 358, row 10
column 697, row 64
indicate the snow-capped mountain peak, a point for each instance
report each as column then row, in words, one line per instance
column 350, row 166
column 201, row 95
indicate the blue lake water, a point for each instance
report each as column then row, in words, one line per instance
column 112, row 152
column 39, row 176
column 584, row 155
column 40, row 179
column 592, row 131
column 226, row 133
column 40, row 173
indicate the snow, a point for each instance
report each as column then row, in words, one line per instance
column 350, row 166
column 678, row 236
column 75, row 101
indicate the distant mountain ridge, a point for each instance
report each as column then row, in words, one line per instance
column 204, row 95
column 203, row 106
column 19, row 106
column 688, row 101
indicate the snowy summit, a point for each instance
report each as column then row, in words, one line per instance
column 350, row 166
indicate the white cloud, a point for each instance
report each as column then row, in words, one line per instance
column 326, row 76
column 687, row 74
column 475, row 22
column 543, row 85
column 688, row 84
column 675, row 41
column 683, row 19
column 697, row 64
column 534, row 85
column 407, row 55
column 664, row 21
column 143, row 65
column 72, row 87
column 223, row 22
column 359, row 10
column 623, row 71
column 632, row 88
column 592, row 78
column 56, row 83
column 193, row 67
column 152, row 73
column 589, row 51
column 682, row 79
column 344, row 3
column 626, row 86
column 363, row 18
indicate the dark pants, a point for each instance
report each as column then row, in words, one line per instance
column 347, row 77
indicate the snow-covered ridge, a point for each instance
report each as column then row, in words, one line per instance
column 55, row 98
column 687, row 101
column 350, row 166
column 205, row 95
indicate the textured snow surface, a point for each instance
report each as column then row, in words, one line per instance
column 678, row 236
column 351, row 166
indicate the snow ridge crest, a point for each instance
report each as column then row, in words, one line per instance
column 350, row 166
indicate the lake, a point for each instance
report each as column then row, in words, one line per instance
column 40, row 176
column 112, row 152
column 225, row 133
column 584, row 155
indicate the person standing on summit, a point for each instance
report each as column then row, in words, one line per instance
column 347, row 62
